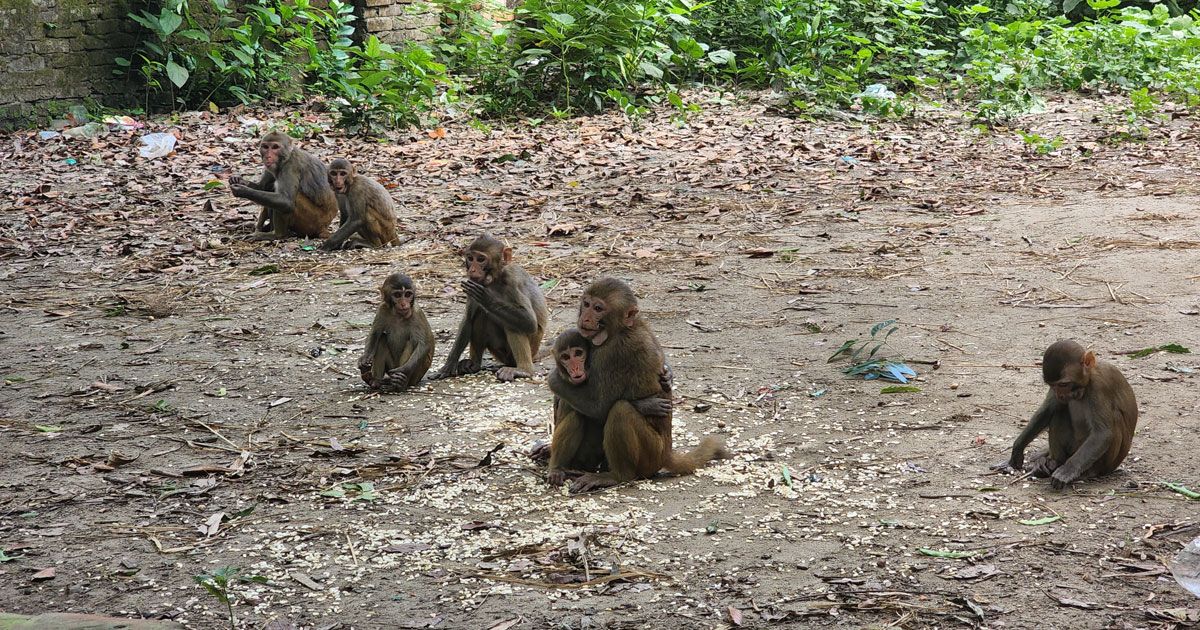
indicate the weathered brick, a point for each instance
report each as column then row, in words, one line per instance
column 22, row 63
column 380, row 24
column 53, row 46
column 103, row 27
column 62, row 30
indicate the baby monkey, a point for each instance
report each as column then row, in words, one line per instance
column 400, row 345
column 367, row 210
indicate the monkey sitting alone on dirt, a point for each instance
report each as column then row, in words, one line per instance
column 1090, row 412
column 400, row 345
column 506, row 314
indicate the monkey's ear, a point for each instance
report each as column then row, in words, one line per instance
column 1089, row 360
column 506, row 254
column 630, row 316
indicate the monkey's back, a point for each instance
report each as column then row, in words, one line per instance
column 316, row 203
column 381, row 211
column 1124, row 405
column 519, row 278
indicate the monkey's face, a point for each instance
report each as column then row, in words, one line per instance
column 572, row 362
column 272, row 152
column 593, row 313
column 479, row 267
column 339, row 179
column 400, row 300
column 1068, row 390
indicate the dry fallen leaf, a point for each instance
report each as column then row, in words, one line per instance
column 44, row 574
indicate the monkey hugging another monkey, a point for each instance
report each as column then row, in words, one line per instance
column 612, row 406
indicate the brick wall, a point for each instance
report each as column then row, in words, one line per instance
column 63, row 50
column 395, row 21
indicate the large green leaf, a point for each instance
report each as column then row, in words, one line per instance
column 177, row 73
column 168, row 22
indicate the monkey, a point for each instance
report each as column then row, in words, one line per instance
column 625, row 365
column 1090, row 411
column 366, row 210
column 506, row 314
column 571, row 350
column 293, row 191
column 400, row 345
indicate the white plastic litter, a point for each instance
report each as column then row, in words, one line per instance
column 156, row 145
column 877, row 90
column 1186, row 567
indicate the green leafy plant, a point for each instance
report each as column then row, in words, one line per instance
column 576, row 56
column 1172, row 348
column 388, row 87
column 260, row 49
column 364, row 491
column 1040, row 144
column 220, row 583
column 866, row 360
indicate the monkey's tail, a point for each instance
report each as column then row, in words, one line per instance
column 710, row 448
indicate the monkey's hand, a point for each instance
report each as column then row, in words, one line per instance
column 556, row 477
column 364, row 370
column 666, row 379
column 236, row 180
column 655, row 406
column 238, row 190
column 395, row 380
column 477, row 292
column 509, row 374
column 1061, row 478
column 540, row 451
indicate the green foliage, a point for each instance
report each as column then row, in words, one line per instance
column 385, row 87
column 220, row 583
column 1129, row 49
column 867, row 361
column 1040, row 144
column 188, row 57
column 572, row 56
column 566, row 57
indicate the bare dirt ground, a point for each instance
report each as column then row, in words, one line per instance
column 173, row 404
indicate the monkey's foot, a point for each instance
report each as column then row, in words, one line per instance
column 592, row 481
column 540, row 451
column 1061, row 478
column 467, row 366
column 508, row 374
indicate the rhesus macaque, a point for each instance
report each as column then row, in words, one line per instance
column 571, row 350
column 625, row 364
column 368, row 212
column 400, row 345
column 1090, row 412
column 506, row 314
column 293, row 191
